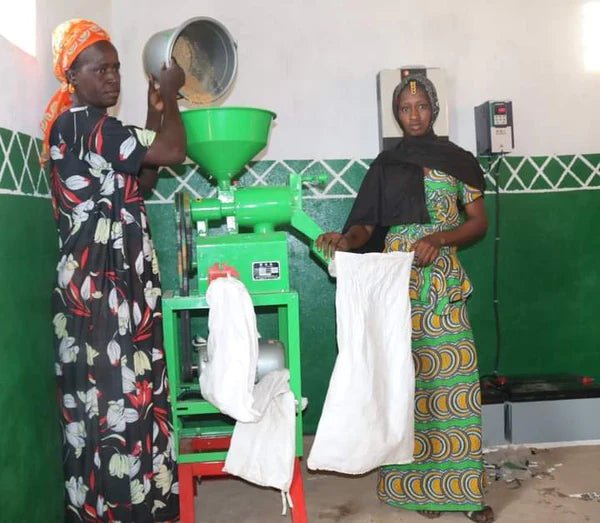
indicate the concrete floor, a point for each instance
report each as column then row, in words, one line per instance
column 332, row 498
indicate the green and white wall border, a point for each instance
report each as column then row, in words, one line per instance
column 20, row 170
column 517, row 175
column 22, row 174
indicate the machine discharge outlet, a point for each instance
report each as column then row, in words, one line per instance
column 270, row 356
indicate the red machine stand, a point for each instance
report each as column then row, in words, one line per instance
column 189, row 471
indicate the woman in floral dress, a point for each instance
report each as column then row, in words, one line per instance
column 415, row 192
column 118, row 448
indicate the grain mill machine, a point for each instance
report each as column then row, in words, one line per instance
column 233, row 233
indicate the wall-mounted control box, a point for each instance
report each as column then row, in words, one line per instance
column 494, row 127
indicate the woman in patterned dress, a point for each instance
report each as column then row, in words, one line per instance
column 118, row 449
column 416, row 192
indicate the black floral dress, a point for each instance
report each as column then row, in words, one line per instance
column 119, row 454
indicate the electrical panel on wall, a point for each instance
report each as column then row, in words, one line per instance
column 494, row 128
column 387, row 80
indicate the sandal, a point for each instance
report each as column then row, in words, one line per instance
column 429, row 514
column 485, row 515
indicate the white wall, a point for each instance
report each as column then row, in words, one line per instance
column 314, row 62
column 28, row 82
column 21, row 89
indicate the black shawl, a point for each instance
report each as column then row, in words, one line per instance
column 393, row 190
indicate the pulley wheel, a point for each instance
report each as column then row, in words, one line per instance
column 183, row 223
column 184, row 268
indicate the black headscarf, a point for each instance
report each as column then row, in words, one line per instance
column 393, row 190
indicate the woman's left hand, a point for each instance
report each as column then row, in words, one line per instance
column 427, row 249
column 155, row 102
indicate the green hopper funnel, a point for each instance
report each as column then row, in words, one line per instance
column 222, row 140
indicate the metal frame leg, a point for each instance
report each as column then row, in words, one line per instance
column 186, row 493
column 297, row 494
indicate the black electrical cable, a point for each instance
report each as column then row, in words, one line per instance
column 496, row 301
column 495, row 173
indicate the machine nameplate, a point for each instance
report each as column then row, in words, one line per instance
column 266, row 270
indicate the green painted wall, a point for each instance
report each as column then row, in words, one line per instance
column 31, row 486
column 549, row 283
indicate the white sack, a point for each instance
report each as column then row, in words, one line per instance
column 263, row 452
column 368, row 414
column 262, row 448
column 228, row 379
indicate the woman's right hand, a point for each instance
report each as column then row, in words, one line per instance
column 169, row 146
column 330, row 242
column 171, row 79
column 155, row 102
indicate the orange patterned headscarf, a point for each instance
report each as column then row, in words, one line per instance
column 69, row 39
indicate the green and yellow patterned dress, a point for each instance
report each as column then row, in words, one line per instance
column 447, row 474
